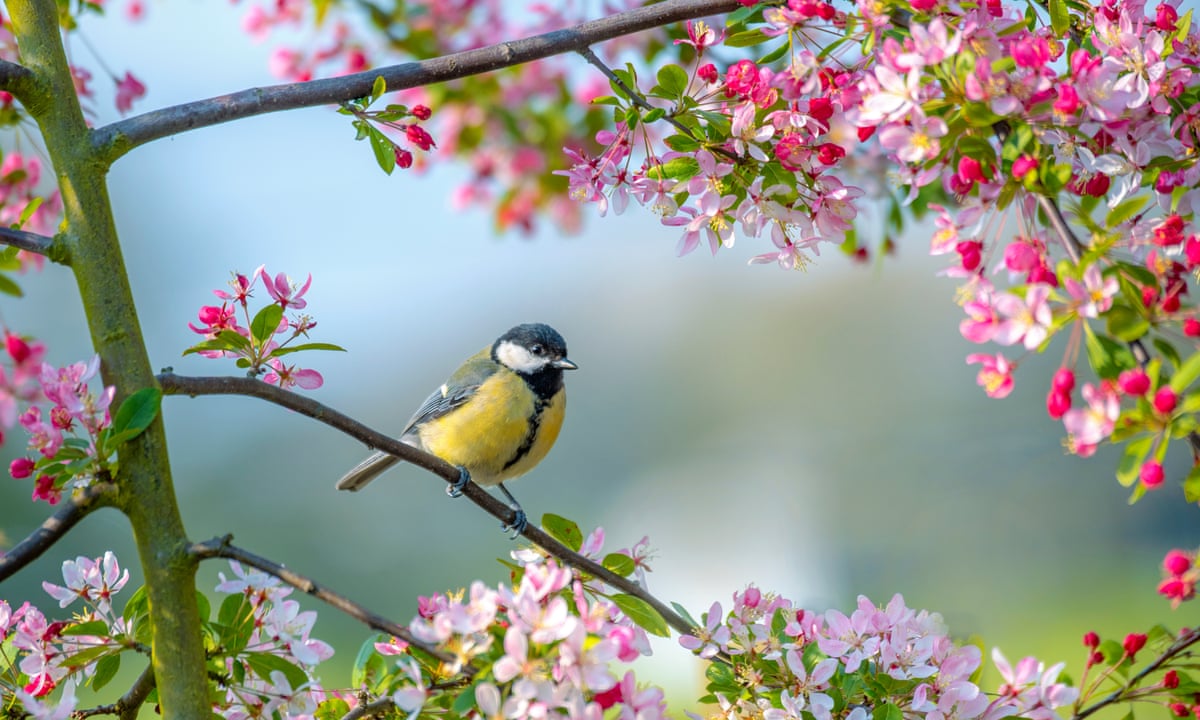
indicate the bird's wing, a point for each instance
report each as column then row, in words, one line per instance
column 456, row 391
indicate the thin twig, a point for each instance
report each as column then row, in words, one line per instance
column 129, row 704
column 23, row 240
column 75, row 507
column 1183, row 643
column 371, row 709
column 634, row 96
column 113, row 141
column 173, row 384
column 223, row 548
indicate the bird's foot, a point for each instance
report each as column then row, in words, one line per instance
column 519, row 521
column 455, row 489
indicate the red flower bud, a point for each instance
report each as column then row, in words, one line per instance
column 1176, row 563
column 1151, row 474
column 1165, row 400
column 1057, row 404
column 1091, row 640
column 1064, row 380
column 21, row 468
column 421, row 112
column 1133, row 643
column 1171, row 680
column 1134, row 382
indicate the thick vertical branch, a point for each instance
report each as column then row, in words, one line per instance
column 144, row 489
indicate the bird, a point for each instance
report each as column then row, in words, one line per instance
column 495, row 418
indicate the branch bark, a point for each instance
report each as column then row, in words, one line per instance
column 75, row 508
column 223, row 548
column 31, row 242
column 173, row 384
column 113, row 141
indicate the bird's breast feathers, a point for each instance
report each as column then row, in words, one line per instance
column 501, row 433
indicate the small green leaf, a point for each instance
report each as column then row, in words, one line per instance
column 642, row 614
column 332, row 709
column 1125, row 210
column 29, row 210
column 720, row 674
column 682, row 143
column 264, row 664
column 306, row 346
column 746, row 38
column 106, row 669
column 9, row 287
column 135, row 415
column 1167, row 350
column 1132, row 460
column 378, row 88
column 679, row 168
column 1191, row 486
column 673, row 80
column 138, row 604
column 1107, row 356
column 465, row 702
column 369, row 667
column 683, row 613
column 265, row 323
column 1186, row 374
column 619, row 563
column 1060, row 17
column 887, row 711
column 385, row 151
column 782, row 50
column 94, row 627
column 1126, row 324
column 1054, row 177
column 977, row 148
column 563, row 530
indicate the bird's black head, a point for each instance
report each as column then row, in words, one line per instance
column 533, row 349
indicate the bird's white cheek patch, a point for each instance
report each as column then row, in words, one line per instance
column 518, row 358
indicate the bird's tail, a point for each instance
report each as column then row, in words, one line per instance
column 366, row 471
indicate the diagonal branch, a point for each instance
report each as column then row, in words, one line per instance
column 129, row 704
column 1176, row 648
column 113, row 141
column 173, row 384
column 223, row 548
column 15, row 78
column 23, row 240
column 76, row 507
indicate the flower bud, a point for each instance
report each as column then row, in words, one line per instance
column 21, row 468
column 1134, row 382
column 1091, row 640
column 1057, row 404
column 1176, row 563
column 1191, row 327
column 1133, row 643
column 1170, row 680
column 1151, row 474
column 1064, row 380
column 1165, row 400
column 17, row 348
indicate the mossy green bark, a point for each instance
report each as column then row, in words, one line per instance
column 145, row 491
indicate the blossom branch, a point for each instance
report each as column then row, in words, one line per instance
column 173, row 384
column 223, row 548
column 1185, row 641
column 366, row 710
column 130, row 703
column 114, row 140
column 634, row 96
column 76, row 507
column 23, row 240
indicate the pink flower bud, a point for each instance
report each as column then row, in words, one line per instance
column 1064, row 380
column 1057, row 404
column 972, row 170
column 421, row 112
column 1166, row 18
column 1165, row 400
column 1191, row 250
column 17, row 348
column 1170, row 680
column 1023, row 165
column 708, row 73
column 752, row 597
column 404, row 158
column 1180, row 710
column 1133, row 643
column 1177, row 562
column 1134, row 382
column 21, row 468
column 1091, row 640
column 1177, row 589
column 1191, row 327
column 417, row 136
column 1151, row 474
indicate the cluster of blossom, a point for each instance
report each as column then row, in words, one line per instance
column 543, row 648
column 775, row 660
column 19, row 380
column 1180, row 575
column 68, row 437
column 50, row 655
column 254, row 344
column 265, row 643
column 1163, row 681
column 396, row 121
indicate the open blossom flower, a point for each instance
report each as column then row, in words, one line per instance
column 94, row 581
column 712, row 638
column 286, row 376
column 995, row 374
column 1025, row 321
column 895, row 96
column 1094, row 295
column 1088, row 426
column 915, row 142
column 285, row 292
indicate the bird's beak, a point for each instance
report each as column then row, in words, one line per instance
column 564, row 364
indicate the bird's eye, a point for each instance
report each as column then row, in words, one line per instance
column 537, row 349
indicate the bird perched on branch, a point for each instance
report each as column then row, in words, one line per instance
column 495, row 418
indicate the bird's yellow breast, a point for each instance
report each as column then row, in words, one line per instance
column 498, row 434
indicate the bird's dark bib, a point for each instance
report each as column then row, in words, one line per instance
column 545, row 385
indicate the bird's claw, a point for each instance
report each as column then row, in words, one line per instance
column 518, row 525
column 456, row 488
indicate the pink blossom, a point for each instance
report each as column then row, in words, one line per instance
column 916, row 142
column 1088, row 426
column 286, row 376
column 995, row 374
column 285, row 292
column 1094, row 295
column 129, row 89
column 1025, row 321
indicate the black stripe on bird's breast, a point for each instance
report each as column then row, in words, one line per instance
column 535, row 424
column 544, row 383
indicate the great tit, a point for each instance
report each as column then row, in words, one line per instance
column 495, row 418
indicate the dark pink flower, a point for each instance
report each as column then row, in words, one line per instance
column 128, row 90
column 1165, row 400
column 1151, row 474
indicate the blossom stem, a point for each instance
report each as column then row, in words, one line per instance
column 130, row 703
column 1176, row 648
column 114, row 140
column 222, row 548
column 173, row 384
column 634, row 96
column 378, row 708
column 77, row 506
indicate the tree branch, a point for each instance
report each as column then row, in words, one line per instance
column 371, row 709
column 173, row 384
column 129, row 704
column 15, row 78
column 113, row 141
column 75, row 508
column 1181, row 644
column 31, row 242
column 222, row 548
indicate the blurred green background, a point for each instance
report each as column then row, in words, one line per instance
column 817, row 433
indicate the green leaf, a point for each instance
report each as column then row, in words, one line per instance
column 369, row 667
column 746, row 38
column 782, row 50
column 135, row 415
column 887, row 711
column 1167, row 350
column 378, row 88
column 465, row 702
column 306, row 346
column 137, row 605
column 106, row 669
column 642, row 614
column 332, row 709
column 679, row 168
column 94, row 627
column 1132, row 460
column 264, row 664
column 1191, row 486
column 563, row 530
column 203, row 606
column 9, row 287
column 29, row 210
column 1107, row 356
column 1126, row 324
column 1060, row 17
column 683, row 613
column 265, row 323
column 235, row 623
column 619, row 563
column 1125, row 210
column 720, row 675
column 976, row 147
column 385, row 151
column 1186, row 374
column 678, row 143
column 1054, row 177
column 673, row 80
